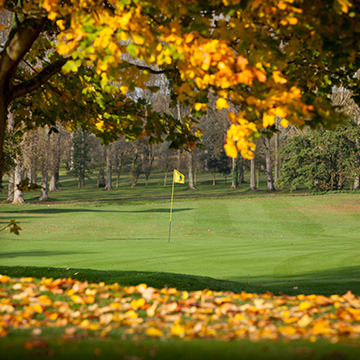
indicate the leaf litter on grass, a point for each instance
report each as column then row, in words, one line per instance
column 139, row 312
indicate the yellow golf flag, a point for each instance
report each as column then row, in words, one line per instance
column 179, row 177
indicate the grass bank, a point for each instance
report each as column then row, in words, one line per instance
column 288, row 244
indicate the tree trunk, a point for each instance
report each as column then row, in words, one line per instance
column 357, row 183
column 118, row 176
column 191, row 185
column 277, row 162
column 3, row 119
column 82, row 162
column 18, row 194
column 357, row 177
column 108, row 186
column 252, row 174
column 32, row 171
column 44, row 185
column 10, row 196
column 25, row 29
column 52, row 183
column 72, row 150
column 101, row 176
column 269, row 175
column 178, row 161
column 57, row 161
column 235, row 174
column 258, row 177
column 135, row 180
column 53, row 166
column 44, row 173
column 241, row 170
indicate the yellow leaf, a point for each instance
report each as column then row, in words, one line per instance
column 154, row 332
column 178, row 330
column 321, row 328
column 277, row 76
column 279, row 111
column 268, row 120
column 151, row 310
column 189, row 38
column 231, row 150
column 293, row 20
column 287, row 330
column 284, row 123
column 112, row 47
column 344, row 5
column 131, row 314
column 241, row 62
column 136, row 304
column 4, row 279
column 138, row 39
column 305, row 320
column 61, row 24
column 260, row 75
column 200, row 106
column 222, row 104
column 45, row 300
column 37, row 308
column 305, row 306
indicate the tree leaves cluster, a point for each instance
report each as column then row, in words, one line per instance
column 270, row 58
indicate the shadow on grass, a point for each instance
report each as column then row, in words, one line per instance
column 60, row 211
column 324, row 283
column 11, row 255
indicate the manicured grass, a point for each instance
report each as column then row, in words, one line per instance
column 301, row 244
column 13, row 348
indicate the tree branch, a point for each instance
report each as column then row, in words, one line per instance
column 149, row 69
column 35, row 11
column 38, row 80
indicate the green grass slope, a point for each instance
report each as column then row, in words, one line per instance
column 300, row 244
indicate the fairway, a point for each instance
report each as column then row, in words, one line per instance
column 274, row 242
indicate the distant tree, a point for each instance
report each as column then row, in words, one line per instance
column 190, row 167
column 269, row 173
column 320, row 160
column 109, row 164
column 235, row 174
column 82, row 158
column 147, row 159
column 44, row 143
column 165, row 159
column 252, row 174
column 55, row 158
column 121, row 157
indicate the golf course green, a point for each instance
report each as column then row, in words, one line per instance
column 290, row 244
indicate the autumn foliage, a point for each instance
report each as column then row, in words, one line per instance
column 139, row 312
column 257, row 59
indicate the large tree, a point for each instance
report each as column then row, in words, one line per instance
column 272, row 58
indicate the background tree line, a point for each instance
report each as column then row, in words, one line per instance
column 292, row 158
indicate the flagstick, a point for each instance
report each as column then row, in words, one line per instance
column 171, row 206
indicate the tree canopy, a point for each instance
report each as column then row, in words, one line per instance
column 76, row 61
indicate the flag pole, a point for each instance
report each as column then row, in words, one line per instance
column 171, row 205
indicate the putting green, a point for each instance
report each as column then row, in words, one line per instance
column 275, row 241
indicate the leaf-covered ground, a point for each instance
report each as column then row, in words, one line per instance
column 142, row 312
